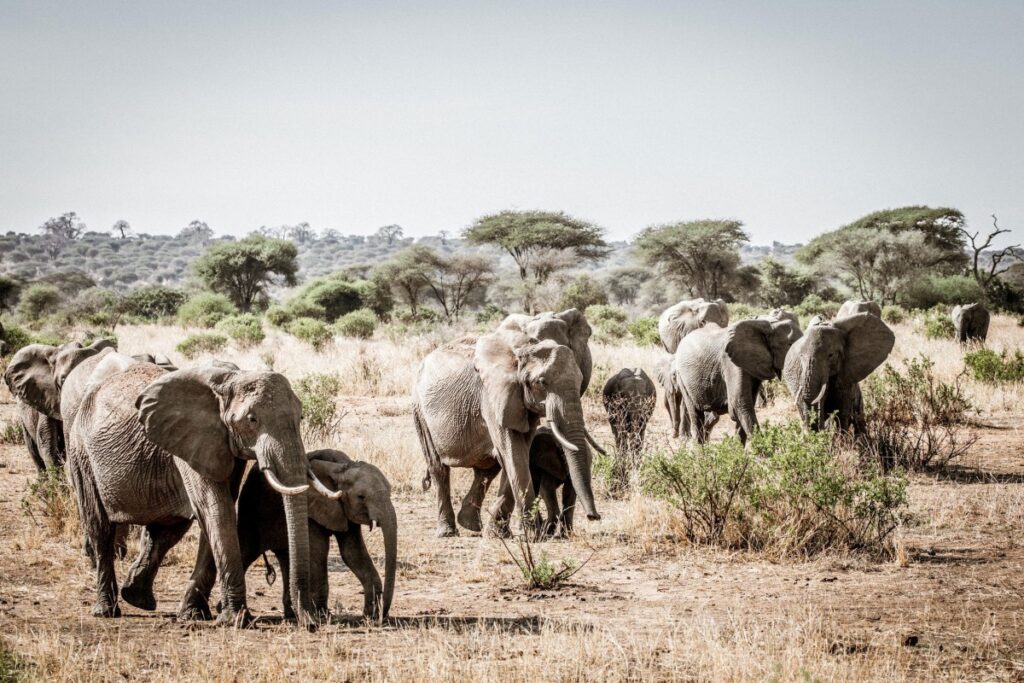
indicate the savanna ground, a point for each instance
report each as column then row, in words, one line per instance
column 646, row 606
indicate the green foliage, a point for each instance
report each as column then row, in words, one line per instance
column 205, row 309
column 539, row 573
column 10, row 290
column 279, row 316
column 242, row 270
column 16, row 338
column 913, row 419
column 37, row 300
column 701, row 257
column 310, row 330
column 490, row 314
column 359, row 324
column 404, row 314
column 154, row 302
column 202, row 342
column 318, row 393
column 335, row 297
column 791, row 494
column 935, row 290
column 584, row 292
column 97, row 306
column 742, row 312
column 375, row 294
column 936, row 324
column 602, row 313
column 988, row 366
column 12, row 667
column 246, row 329
column 894, row 315
column 782, row 286
column 645, row 331
column 814, row 305
column 624, row 283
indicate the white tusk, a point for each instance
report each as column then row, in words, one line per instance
column 593, row 442
column 276, row 484
column 320, row 488
column 372, row 523
column 566, row 444
column 821, row 394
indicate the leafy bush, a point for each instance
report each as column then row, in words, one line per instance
column 936, row 325
column 739, row 311
column 894, row 315
column 279, row 316
column 359, row 324
column 335, row 297
column 206, row 309
column 988, row 366
column 153, row 302
column 490, row 314
column 313, row 332
column 913, row 419
column 539, row 573
column 814, row 305
column 424, row 314
column 37, row 300
column 600, row 313
column 203, row 342
column 11, row 434
column 16, row 338
column 318, row 393
column 645, row 331
column 246, row 329
column 937, row 290
column 582, row 293
column 97, row 306
column 791, row 493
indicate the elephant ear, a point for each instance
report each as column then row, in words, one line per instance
column 748, row 347
column 29, row 376
column 868, row 343
column 326, row 512
column 70, row 356
column 496, row 364
column 675, row 322
column 793, row 367
column 181, row 413
column 579, row 342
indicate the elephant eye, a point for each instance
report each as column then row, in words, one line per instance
column 251, row 418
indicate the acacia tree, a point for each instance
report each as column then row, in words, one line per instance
column 452, row 281
column 196, row 231
column 65, row 227
column 390, row 233
column 406, row 273
column 986, row 275
column 122, row 228
column 242, row 270
column 702, row 256
column 783, row 286
column 624, row 283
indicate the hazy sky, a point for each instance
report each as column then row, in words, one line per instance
column 794, row 117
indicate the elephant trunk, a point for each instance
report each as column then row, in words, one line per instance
column 568, row 416
column 389, row 527
column 813, row 385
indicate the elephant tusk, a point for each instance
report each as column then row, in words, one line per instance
column 372, row 524
column 593, row 442
column 320, row 488
column 276, row 484
column 821, row 394
column 566, row 444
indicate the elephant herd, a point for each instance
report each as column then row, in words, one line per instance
column 147, row 444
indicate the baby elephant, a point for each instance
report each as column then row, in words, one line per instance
column 549, row 471
column 971, row 322
column 364, row 499
column 629, row 398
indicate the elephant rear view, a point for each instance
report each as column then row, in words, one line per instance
column 825, row 366
column 629, row 397
column 854, row 307
column 688, row 315
column 971, row 322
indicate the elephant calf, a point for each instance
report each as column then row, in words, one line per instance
column 363, row 497
column 44, row 437
column 971, row 322
column 549, row 471
column 629, row 396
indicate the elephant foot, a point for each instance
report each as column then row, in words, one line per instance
column 139, row 596
column 446, row 530
column 105, row 609
column 499, row 530
column 469, row 518
column 195, row 610
column 238, row 618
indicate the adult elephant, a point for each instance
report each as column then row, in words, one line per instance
column 825, row 366
column 44, row 438
column 629, row 397
column 971, row 322
column 477, row 403
column 688, row 315
column 363, row 498
column 853, row 307
column 721, row 369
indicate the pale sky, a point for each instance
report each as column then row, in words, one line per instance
column 794, row 117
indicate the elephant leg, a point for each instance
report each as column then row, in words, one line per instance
column 33, row 449
column 501, row 510
column 99, row 532
column 568, row 507
column 515, row 469
column 287, row 609
column 215, row 508
column 442, row 477
column 469, row 512
column 195, row 605
column 319, row 547
column 156, row 540
column 547, row 494
column 355, row 556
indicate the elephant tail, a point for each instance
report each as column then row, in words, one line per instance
column 271, row 574
column 426, row 445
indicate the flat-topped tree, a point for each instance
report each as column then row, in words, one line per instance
column 242, row 270
column 702, row 257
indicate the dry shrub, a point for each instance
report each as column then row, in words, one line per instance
column 10, row 433
column 49, row 502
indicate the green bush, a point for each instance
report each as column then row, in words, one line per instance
column 936, row 290
column 318, row 393
column 739, row 311
column 310, row 330
column 203, row 342
column 154, row 302
column 894, row 315
column 279, row 316
column 334, row 297
column 599, row 313
column 988, row 366
column 791, row 494
column 815, row 305
column 359, row 324
column 424, row 314
column 936, row 325
column 206, row 309
column 97, row 306
column 492, row 314
column 37, row 300
column 582, row 293
column 16, row 338
column 50, row 502
column 246, row 329
column 645, row 331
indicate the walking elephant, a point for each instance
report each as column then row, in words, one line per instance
column 721, row 369
column 629, row 397
column 824, row 367
column 971, row 322
column 688, row 315
column 549, row 471
column 44, row 438
column 362, row 498
column 477, row 403
column 672, row 396
column 853, row 307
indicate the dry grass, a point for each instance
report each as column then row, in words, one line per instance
column 647, row 606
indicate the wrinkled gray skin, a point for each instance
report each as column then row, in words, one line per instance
column 365, row 500
column 824, row 368
column 672, row 396
column 629, row 397
column 550, row 471
column 853, row 307
column 477, row 404
column 721, row 369
column 155, row 448
column 44, row 437
column 688, row 315
column 777, row 314
column 971, row 322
